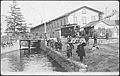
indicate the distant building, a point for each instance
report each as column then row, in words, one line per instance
column 109, row 24
column 103, row 26
column 38, row 30
column 81, row 16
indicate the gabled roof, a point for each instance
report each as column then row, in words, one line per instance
column 97, row 11
column 90, row 24
column 107, row 22
column 37, row 26
column 67, row 14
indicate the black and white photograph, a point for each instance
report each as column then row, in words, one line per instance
column 59, row 37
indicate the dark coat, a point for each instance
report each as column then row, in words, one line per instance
column 58, row 45
column 107, row 35
column 87, row 38
column 80, row 49
column 71, row 45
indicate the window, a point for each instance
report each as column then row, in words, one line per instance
column 61, row 22
column 96, row 17
column 51, row 26
column 84, row 11
column 48, row 26
column 93, row 18
column 57, row 23
column 84, row 20
column 64, row 21
column 74, row 19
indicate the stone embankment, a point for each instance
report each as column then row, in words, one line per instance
column 68, row 64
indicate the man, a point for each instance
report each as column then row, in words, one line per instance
column 72, row 47
column 87, row 39
column 53, row 43
column 80, row 50
column 58, row 45
column 95, row 38
column 107, row 35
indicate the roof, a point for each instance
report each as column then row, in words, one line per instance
column 90, row 24
column 71, row 13
column 116, row 13
column 111, row 22
column 97, row 11
column 37, row 26
column 108, row 22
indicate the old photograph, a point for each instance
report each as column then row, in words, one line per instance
column 59, row 37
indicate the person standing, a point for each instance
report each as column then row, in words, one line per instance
column 107, row 35
column 69, row 50
column 60, row 45
column 72, row 47
column 87, row 39
column 80, row 51
column 95, row 38
column 56, row 46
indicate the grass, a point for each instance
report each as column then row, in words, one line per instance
column 104, row 59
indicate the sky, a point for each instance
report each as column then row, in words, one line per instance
column 36, row 12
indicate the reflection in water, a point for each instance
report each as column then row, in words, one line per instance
column 35, row 61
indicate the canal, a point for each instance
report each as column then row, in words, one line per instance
column 35, row 61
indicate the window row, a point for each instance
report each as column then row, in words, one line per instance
column 56, row 24
column 84, row 19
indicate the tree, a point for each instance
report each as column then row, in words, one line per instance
column 15, row 22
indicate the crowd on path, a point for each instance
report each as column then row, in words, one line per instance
column 57, row 45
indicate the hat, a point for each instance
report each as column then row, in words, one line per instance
column 84, row 44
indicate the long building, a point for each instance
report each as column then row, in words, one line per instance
column 81, row 16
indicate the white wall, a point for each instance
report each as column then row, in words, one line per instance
column 79, row 16
column 102, row 25
column 113, row 28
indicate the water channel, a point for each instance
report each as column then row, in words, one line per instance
column 36, row 61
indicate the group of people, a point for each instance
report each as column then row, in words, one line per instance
column 80, row 50
column 57, row 45
column 70, row 46
column 7, row 44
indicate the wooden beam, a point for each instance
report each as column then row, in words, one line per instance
column 29, row 46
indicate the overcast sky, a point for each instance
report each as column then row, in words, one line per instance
column 35, row 11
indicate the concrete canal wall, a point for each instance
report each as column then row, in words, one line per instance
column 69, row 65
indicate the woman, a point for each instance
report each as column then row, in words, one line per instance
column 69, row 50
column 80, row 51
